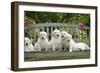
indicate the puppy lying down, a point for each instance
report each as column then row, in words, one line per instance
column 73, row 46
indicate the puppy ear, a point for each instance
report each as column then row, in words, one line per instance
column 70, row 36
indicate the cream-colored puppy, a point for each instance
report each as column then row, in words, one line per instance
column 64, row 42
column 28, row 46
column 73, row 46
column 42, row 42
column 55, row 42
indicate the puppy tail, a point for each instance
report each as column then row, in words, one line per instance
column 87, row 47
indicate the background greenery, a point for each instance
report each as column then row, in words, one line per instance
column 53, row 17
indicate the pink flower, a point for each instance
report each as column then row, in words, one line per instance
column 81, row 25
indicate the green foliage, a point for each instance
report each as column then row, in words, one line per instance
column 54, row 17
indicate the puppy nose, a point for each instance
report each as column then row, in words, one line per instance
column 62, row 36
column 68, row 40
column 42, row 37
column 57, row 35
